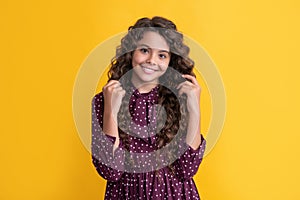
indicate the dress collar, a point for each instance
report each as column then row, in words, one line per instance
column 151, row 95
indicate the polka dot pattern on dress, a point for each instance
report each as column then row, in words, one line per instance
column 121, row 185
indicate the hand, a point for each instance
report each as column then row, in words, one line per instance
column 113, row 94
column 192, row 91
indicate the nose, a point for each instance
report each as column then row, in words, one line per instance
column 151, row 59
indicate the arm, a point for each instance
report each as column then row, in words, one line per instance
column 188, row 163
column 107, row 158
column 113, row 94
column 193, row 137
column 192, row 90
column 186, row 166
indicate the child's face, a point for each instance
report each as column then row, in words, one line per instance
column 150, row 59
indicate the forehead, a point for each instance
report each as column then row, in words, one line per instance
column 154, row 41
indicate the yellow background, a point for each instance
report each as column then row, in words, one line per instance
column 255, row 45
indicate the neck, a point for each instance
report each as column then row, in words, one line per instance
column 144, row 87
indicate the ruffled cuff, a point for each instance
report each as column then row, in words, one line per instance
column 112, row 139
column 188, row 163
column 200, row 148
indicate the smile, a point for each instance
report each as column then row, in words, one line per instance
column 148, row 70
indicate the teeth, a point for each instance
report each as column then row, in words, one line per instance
column 148, row 70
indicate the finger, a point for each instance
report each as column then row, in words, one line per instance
column 112, row 84
column 190, row 77
column 119, row 89
column 123, row 92
column 179, row 86
column 120, row 92
column 183, row 89
column 184, row 83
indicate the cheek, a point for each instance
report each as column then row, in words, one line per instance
column 165, row 64
column 137, row 58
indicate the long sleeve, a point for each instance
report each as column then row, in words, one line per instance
column 186, row 166
column 109, row 166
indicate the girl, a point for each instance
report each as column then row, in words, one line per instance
column 146, row 139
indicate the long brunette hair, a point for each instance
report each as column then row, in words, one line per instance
column 176, row 111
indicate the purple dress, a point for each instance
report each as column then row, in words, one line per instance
column 121, row 184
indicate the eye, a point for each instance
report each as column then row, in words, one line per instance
column 163, row 56
column 144, row 50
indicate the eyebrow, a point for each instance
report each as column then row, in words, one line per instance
column 145, row 45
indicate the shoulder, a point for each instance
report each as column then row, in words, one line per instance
column 98, row 97
column 98, row 100
column 98, row 103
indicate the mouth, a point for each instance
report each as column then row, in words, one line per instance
column 148, row 70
